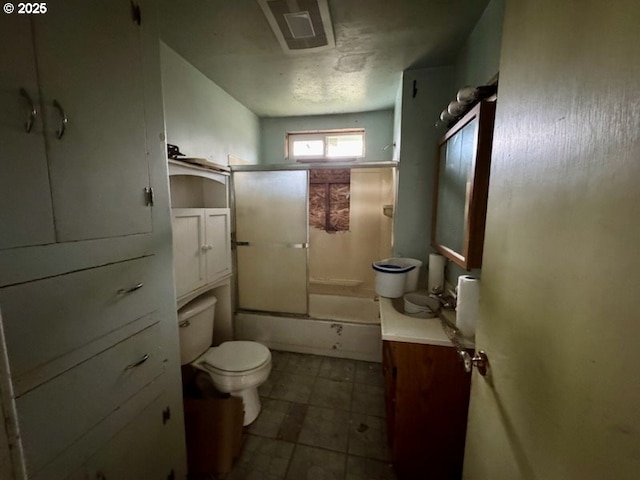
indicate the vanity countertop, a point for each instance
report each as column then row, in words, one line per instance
column 399, row 327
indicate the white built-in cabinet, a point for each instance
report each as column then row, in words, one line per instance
column 201, row 227
column 26, row 215
column 87, row 311
column 201, row 246
column 86, row 150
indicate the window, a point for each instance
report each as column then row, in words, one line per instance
column 329, row 199
column 344, row 145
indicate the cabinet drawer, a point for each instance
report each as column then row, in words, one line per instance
column 46, row 319
column 58, row 412
column 148, row 448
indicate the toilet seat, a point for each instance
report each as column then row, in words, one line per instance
column 235, row 358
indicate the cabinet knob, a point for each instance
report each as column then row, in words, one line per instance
column 206, row 248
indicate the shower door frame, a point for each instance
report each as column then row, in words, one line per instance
column 294, row 167
column 239, row 243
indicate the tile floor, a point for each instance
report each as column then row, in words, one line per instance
column 322, row 418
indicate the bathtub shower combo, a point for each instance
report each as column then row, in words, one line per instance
column 305, row 289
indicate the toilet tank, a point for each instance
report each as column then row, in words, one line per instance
column 195, row 322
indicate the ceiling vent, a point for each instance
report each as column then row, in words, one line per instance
column 301, row 26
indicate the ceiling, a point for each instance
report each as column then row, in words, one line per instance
column 231, row 42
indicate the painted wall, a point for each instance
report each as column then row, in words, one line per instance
column 349, row 255
column 476, row 63
column 378, row 127
column 558, row 313
column 412, row 218
column 201, row 118
column 479, row 58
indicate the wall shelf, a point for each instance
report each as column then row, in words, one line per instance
column 177, row 167
column 193, row 186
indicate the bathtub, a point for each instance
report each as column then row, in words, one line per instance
column 348, row 309
column 337, row 326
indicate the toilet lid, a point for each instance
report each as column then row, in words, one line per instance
column 237, row 356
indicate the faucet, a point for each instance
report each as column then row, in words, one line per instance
column 447, row 302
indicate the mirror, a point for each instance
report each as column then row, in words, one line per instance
column 461, row 185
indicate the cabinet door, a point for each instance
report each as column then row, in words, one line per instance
column 188, row 247
column 430, row 410
column 25, row 199
column 6, row 466
column 90, row 63
column 390, row 372
column 218, row 243
column 147, row 448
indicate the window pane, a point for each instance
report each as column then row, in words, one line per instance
column 344, row 145
column 308, row 148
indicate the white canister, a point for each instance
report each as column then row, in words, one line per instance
column 436, row 271
column 411, row 282
column 391, row 277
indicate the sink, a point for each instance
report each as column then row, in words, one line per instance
column 433, row 305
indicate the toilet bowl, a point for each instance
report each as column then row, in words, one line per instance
column 235, row 367
column 238, row 368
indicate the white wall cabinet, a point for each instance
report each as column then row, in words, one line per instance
column 201, row 225
column 89, row 100
column 26, row 214
column 201, row 247
column 87, row 304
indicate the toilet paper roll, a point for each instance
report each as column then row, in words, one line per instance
column 467, row 305
column 436, row 271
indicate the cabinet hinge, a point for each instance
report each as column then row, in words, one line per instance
column 135, row 13
column 166, row 415
column 148, row 195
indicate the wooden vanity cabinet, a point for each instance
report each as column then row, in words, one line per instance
column 427, row 399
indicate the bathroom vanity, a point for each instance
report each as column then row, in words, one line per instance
column 426, row 396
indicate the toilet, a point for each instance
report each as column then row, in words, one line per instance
column 236, row 367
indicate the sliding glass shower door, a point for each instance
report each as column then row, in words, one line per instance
column 272, row 240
